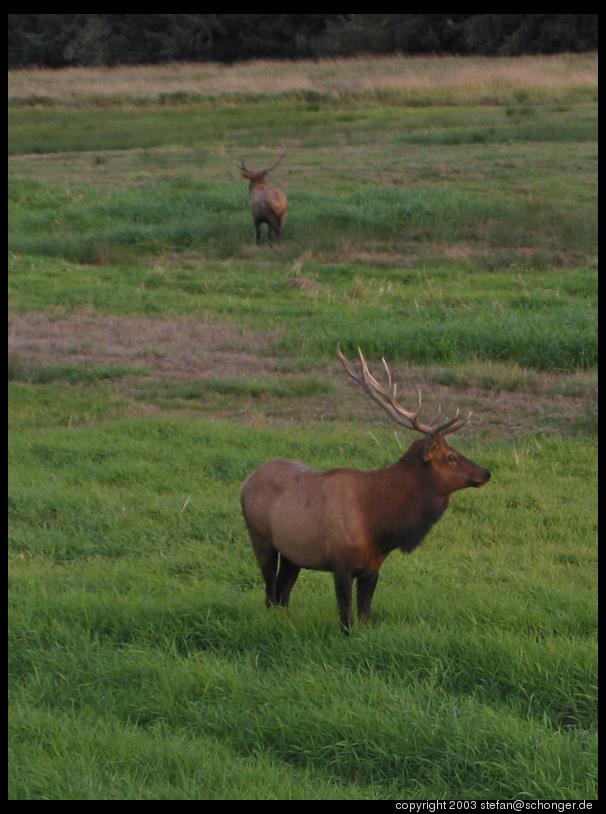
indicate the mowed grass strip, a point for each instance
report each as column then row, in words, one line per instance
column 40, row 130
column 538, row 319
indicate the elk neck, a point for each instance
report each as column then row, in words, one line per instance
column 256, row 183
column 402, row 503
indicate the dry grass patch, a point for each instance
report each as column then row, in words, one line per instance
column 176, row 347
column 465, row 78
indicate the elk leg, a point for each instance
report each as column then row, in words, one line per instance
column 287, row 576
column 269, row 567
column 273, row 229
column 365, row 590
column 343, row 584
column 258, row 232
column 267, row 557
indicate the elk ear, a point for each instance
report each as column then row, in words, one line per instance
column 430, row 446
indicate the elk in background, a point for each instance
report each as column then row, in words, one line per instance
column 267, row 204
column 346, row 521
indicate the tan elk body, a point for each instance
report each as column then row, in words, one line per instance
column 267, row 204
column 347, row 521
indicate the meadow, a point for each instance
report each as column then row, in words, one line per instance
column 442, row 213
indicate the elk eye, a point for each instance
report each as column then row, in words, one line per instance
column 452, row 457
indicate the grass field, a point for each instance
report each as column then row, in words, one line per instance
column 442, row 214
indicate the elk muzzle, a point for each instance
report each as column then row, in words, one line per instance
column 479, row 477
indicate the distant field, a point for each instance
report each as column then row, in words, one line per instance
column 442, row 213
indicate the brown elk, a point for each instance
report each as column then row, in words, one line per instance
column 347, row 521
column 267, row 204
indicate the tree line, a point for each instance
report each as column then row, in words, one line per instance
column 60, row 40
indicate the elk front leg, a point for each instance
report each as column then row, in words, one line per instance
column 366, row 588
column 343, row 585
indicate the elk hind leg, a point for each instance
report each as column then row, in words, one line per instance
column 365, row 590
column 287, row 576
column 274, row 228
column 267, row 557
column 343, row 586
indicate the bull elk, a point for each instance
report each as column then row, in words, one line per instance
column 346, row 521
column 267, row 204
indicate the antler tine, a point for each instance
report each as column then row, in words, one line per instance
column 446, row 424
column 390, row 393
column 413, row 416
column 274, row 163
column 437, row 415
column 392, row 387
column 370, row 379
column 374, row 388
column 348, row 367
column 455, row 424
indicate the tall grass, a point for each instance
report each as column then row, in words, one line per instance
column 438, row 79
column 181, row 214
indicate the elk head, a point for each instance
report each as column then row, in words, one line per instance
column 258, row 176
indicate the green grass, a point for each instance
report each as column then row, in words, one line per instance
column 79, row 373
column 43, row 130
column 148, row 764
column 458, row 241
column 255, row 387
column 140, row 610
column 499, row 376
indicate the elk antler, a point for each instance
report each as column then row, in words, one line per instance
column 386, row 398
column 274, row 163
